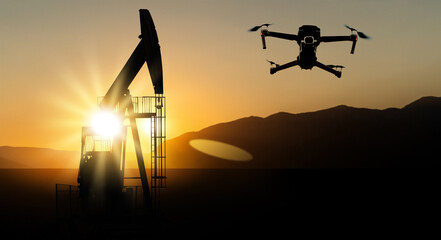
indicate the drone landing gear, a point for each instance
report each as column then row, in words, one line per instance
column 284, row 66
column 329, row 68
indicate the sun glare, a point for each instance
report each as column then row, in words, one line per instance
column 74, row 106
column 106, row 124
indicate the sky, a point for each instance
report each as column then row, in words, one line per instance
column 58, row 56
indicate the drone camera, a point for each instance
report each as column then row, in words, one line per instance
column 309, row 40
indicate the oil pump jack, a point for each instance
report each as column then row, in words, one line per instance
column 102, row 165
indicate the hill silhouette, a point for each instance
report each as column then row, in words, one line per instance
column 30, row 157
column 338, row 137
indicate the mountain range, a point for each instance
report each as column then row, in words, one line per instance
column 31, row 157
column 338, row 137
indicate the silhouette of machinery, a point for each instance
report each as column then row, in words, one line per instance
column 308, row 39
column 101, row 178
column 102, row 167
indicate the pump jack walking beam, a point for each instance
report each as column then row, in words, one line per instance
column 148, row 50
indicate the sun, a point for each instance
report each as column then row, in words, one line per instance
column 106, row 124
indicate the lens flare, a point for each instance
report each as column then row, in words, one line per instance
column 221, row 150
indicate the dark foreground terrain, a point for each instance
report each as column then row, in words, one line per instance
column 248, row 203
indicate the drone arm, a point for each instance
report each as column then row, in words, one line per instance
column 284, row 66
column 352, row 38
column 328, row 69
column 292, row 37
column 336, row 38
column 353, row 46
column 263, row 41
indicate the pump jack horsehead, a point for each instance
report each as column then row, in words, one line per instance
column 308, row 39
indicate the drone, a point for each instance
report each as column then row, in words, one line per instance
column 308, row 38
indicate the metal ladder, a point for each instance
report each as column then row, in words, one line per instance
column 158, row 151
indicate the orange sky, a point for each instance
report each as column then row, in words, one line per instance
column 58, row 56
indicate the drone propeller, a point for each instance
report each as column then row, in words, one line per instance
column 336, row 66
column 360, row 34
column 273, row 63
column 258, row 27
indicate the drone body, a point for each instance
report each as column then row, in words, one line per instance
column 308, row 39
